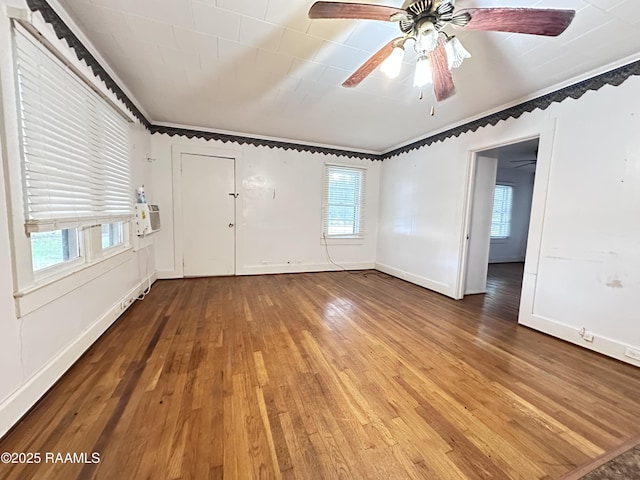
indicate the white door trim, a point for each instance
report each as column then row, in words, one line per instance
column 177, row 150
column 546, row 134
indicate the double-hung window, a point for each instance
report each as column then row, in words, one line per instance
column 501, row 217
column 112, row 235
column 343, row 204
column 76, row 184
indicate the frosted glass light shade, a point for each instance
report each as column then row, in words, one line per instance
column 456, row 53
column 427, row 41
column 393, row 63
column 423, row 72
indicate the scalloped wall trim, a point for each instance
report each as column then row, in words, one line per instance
column 63, row 32
column 242, row 140
column 614, row 77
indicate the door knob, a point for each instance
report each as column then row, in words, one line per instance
column 231, row 225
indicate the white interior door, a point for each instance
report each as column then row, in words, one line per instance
column 480, row 228
column 208, row 215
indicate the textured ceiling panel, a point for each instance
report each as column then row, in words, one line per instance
column 261, row 67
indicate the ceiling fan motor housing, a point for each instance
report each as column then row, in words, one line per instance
column 437, row 13
column 417, row 11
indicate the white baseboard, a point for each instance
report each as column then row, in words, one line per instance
column 601, row 344
column 302, row 268
column 283, row 268
column 168, row 274
column 475, row 292
column 438, row 287
column 22, row 400
column 507, row 260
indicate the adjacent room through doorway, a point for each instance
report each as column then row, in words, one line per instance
column 500, row 213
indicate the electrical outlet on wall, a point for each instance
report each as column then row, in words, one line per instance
column 126, row 303
column 586, row 336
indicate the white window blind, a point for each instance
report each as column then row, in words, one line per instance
column 501, row 218
column 343, row 208
column 75, row 146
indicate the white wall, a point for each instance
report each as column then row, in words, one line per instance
column 513, row 249
column 273, row 235
column 421, row 204
column 36, row 349
column 583, row 262
column 11, row 377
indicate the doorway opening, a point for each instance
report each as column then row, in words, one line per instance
column 502, row 183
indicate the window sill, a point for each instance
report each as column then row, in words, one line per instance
column 342, row 241
column 108, row 252
column 34, row 297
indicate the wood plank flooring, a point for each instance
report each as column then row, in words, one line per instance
column 328, row 375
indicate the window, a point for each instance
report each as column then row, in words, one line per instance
column 343, row 206
column 112, row 235
column 501, row 218
column 52, row 248
column 75, row 160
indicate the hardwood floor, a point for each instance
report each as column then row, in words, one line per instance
column 327, row 375
column 504, row 284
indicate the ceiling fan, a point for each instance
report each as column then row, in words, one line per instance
column 524, row 162
column 423, row 21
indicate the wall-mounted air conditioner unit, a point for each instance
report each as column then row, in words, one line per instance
column 147, row 218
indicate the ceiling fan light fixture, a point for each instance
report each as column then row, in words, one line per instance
column 423, row 72
column 456, row 53
column 427, row 40
column 424, row 22
column 393, row 63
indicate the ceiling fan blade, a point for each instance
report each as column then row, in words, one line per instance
column 534, row 21
column 370, row 65
column 360, row 11
column 443, row 86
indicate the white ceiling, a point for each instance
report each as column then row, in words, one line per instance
column 261, row 67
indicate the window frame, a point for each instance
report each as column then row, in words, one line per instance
column 359, row 236
column 64, row 264
column 33, row 289
column 114, row 246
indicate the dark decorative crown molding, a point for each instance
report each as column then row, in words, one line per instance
column 225, row 138
column 614, row 77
